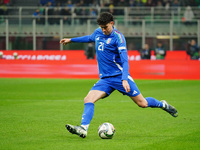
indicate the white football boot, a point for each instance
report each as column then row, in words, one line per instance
column 170, row 109
column 78, row 130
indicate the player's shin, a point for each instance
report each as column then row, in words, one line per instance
column 152, row 102
column 87, row 115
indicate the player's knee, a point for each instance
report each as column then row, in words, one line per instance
column 142, row 104
column 87, row 100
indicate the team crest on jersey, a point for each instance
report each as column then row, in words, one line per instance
column 108, row 41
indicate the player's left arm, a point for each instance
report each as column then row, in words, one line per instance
column 124, row 59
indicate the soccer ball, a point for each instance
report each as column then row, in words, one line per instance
column 106, row 131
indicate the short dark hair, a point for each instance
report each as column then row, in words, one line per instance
column 104, row 18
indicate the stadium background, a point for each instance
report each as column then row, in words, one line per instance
column 140, row 22
column 35, row 105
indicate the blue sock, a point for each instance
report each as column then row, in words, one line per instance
column 87, row 114
column 152, row 102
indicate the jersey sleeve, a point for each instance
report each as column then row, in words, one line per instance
column 121, row 45
column 85, row 39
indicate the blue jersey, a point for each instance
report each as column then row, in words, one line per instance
column 111, row 52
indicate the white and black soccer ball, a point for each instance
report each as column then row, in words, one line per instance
column 106, row 131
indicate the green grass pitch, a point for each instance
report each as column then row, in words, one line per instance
column 33, row 114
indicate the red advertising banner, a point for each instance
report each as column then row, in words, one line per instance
column 73, row 64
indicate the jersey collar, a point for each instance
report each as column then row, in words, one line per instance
column 112, row 33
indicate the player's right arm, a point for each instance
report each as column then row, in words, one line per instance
column 65, row 41
column 82, row 39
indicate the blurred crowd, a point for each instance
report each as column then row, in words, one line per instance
column 121, row 3
column 102, row 3
column 3, row 8
column 64, row 7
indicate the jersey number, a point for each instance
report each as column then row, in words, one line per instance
column 101, row 46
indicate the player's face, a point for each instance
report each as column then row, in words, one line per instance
column 108, row 28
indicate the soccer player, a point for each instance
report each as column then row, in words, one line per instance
column 114, row 74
